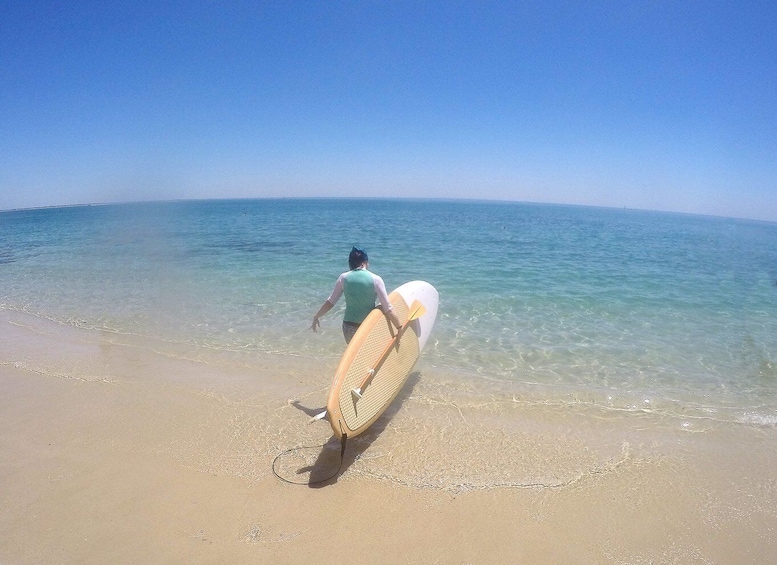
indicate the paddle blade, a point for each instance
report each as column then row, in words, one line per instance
column 416, row 311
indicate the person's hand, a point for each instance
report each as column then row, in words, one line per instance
column 397, row 324
column 316, row 324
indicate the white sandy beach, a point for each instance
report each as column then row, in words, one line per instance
column 113, row 453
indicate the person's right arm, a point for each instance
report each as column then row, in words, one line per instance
column 337, row 292
column 325, row 307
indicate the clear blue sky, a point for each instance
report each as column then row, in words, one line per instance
column 654, row 105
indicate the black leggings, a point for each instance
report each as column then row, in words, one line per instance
column 349, row 329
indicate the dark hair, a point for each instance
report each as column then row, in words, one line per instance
column 357, row 258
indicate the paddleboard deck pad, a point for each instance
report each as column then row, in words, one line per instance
column 377, row 363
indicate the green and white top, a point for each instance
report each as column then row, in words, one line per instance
column 361, row 287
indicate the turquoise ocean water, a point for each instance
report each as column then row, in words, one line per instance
column 626, row 310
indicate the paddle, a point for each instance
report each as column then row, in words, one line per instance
column 416, row 311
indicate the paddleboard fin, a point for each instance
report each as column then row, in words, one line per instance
column 318, row 417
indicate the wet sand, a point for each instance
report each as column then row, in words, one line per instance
column 112, row 451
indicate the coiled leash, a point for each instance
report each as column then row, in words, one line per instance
column 343, row 441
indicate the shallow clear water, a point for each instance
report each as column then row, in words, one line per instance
column 626, row 310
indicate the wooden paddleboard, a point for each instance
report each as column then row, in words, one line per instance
column 369, row 350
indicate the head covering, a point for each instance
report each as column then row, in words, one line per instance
column 357, row 258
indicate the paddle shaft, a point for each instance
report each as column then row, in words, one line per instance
column 417, row 310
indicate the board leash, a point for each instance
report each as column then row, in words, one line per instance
column 343, row 441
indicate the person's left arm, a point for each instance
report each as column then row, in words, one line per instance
column 385, row 304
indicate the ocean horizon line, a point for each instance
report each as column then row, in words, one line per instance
column 452, row 200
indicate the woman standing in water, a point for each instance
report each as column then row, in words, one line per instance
column 361, row 288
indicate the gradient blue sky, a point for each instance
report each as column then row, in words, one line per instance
column 655, row 105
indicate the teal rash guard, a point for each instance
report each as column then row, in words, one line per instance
column 361, row 288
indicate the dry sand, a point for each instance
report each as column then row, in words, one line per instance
column 117, row 454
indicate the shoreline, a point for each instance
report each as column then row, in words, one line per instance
column 118, row 453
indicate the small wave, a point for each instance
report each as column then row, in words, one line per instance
column 753, row 418
column 58, row 374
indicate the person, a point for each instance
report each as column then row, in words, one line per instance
column 360, row 287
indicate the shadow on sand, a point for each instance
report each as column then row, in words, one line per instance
column 328, row 465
